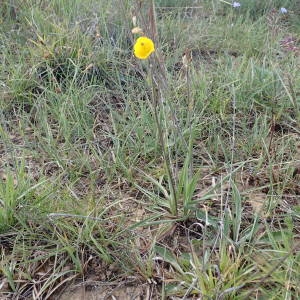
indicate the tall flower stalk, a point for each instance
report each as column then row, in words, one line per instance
column 181, row 181
column 143, row 48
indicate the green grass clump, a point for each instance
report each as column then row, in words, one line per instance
column 180, row 172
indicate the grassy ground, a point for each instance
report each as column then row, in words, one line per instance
column 189, row 189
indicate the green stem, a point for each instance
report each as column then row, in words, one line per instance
column 189, row 120
column 167, row 160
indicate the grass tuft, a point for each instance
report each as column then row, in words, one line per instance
column 180, row 172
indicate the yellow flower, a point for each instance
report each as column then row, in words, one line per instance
column 143, row 47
